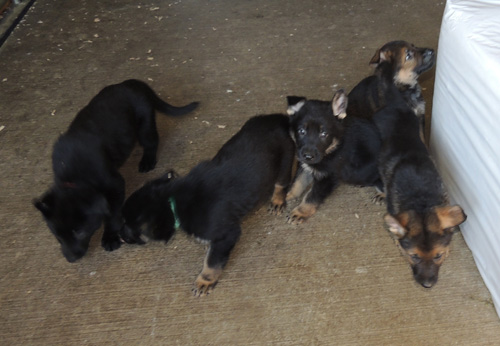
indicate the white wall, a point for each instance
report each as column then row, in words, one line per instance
column 465, row 129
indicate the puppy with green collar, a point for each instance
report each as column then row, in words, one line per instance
column 210, row 201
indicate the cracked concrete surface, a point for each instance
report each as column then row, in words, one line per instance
column 338, row 279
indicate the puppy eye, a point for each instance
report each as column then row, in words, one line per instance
column 415, row 258
column 438, row 256
column 409, row 56
column 323, row 134
column 301, row 131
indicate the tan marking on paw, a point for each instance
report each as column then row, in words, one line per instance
column 302, row 212
column 206, row 280
column 278, row 200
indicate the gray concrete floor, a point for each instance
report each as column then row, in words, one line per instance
column 337, row 280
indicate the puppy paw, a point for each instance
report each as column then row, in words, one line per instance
column 206, row 281
column 276, row 209
column 294, row 219
column 111, row 243
column 278, row 201
column 378, row 199
column 203, row 286
column 301, row 213
column 147, row 163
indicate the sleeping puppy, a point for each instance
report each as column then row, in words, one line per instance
column 88, row 189
column 419, row 214
column 211, row 200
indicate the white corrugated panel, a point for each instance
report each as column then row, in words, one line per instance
column 465, row 130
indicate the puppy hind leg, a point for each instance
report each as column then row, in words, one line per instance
column 278, row 200
column 215, row 260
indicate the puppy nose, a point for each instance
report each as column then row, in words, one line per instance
column 428, row 52
column 309, row 156
column 427, row 284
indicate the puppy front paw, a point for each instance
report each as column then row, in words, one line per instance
column 111, row 243
column 276, row 209
column 147, row 163
column 301, row 213
column 295, row 218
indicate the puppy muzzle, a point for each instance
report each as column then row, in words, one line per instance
column 428, row 60
column 309, row 155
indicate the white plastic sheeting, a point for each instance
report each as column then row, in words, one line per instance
column 465, row 128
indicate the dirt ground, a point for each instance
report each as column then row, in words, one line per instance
column 338, row 279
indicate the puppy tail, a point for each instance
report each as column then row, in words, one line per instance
column 143, row 88
column 166, row 108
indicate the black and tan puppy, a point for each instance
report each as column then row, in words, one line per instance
column 397, row 63
column 327, row 152
column 88, row 189
column 418, row 210
column 211, row 200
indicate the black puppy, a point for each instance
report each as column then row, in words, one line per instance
column 399, row 64
column 418, row 210
column 211, row 200
column 87, row 185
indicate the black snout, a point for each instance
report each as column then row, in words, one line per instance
column 73, row 256
column 428, row 59
column 426, row 274
column 428, row 56
column 309, row 155
column 75, row 250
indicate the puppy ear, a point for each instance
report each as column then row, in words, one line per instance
column 380, row 56
column 45, row 204
column 450, row 216
column 397, row 224
column 295, row 103
column 375, row 59
column 339, row 104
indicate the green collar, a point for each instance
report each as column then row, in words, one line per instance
column 173, row 207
